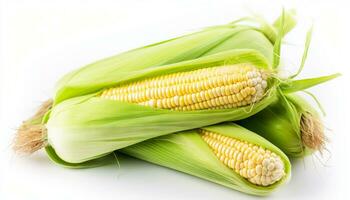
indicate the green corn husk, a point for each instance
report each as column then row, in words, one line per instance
column 291, row 124
column 187, row 152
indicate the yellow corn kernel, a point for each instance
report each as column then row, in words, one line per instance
column 209, row 88
column 253, row 162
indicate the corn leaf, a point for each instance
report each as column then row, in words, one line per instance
column 302, row 84
column 306, row 50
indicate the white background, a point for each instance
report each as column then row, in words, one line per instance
column 42, row 40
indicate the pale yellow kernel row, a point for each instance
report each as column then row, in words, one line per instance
column 210, row 88
column 258, row 165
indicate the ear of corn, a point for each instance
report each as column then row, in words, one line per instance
column 226, row 154
column 87, row 127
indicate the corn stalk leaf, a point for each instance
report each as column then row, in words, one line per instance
column 278, row 43
column 306, row 50
column 302, row 84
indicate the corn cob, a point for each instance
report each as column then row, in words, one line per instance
column 258, row 165
column 226, row 154
column 209, row 88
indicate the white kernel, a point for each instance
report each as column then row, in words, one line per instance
column 271, row 166
column 264, row 171
column 151, row 103
column 258, row 169
column 266, row 162
column 258, row 79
